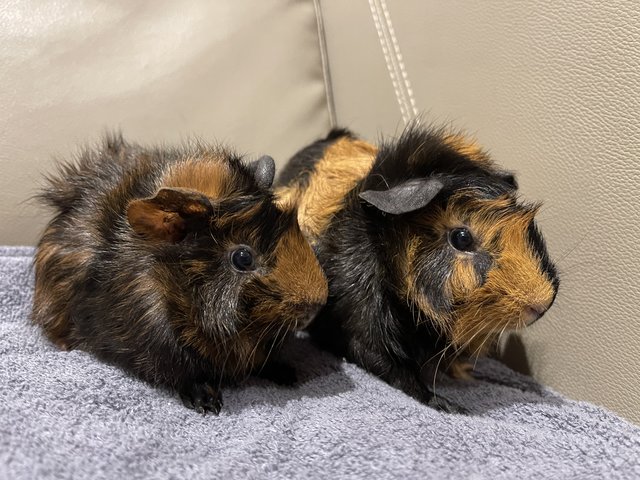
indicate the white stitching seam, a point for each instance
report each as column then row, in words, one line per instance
column 326, row 73
column 385, row 51
column 396, row 47
column 393, row 57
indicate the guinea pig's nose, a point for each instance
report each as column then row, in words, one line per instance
column 531, row 313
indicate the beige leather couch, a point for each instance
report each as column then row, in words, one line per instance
column 550, row 88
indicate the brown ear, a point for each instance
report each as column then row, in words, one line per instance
column 169, row 215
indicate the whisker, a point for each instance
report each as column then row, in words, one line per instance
column 586, row 262
column 439, row 352
column 479, row 349
column 222, row 370
column 480, row 330
column 249, row 359
column 435, row 373
column 274, row 342
column 566, row 254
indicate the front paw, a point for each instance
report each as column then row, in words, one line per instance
column 461, row 370
column 279, row 373
column 202, row 398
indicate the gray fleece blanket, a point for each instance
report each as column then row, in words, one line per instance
column 66, row 415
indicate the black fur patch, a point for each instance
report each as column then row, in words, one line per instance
column 539, row 247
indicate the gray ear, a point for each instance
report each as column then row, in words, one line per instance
column 263, row 169
column 508, row 178
column 404, row 198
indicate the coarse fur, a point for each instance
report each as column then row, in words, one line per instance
column 403, row 301
column 136, row 266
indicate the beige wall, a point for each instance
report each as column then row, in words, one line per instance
column 243, row 72
column 552, row 89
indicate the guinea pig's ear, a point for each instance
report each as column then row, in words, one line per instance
column 169, row 215
column 406, row 197
column 263, row 169
column 508, row 178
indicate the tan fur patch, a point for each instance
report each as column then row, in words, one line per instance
column 463, row 279
column 210, row 176
column 49, row 307
column 344, row 163
column 469, row 148
column 412, row 289
column 56, row 277
column 297, row 271
column 289, row 196
column 460, row 369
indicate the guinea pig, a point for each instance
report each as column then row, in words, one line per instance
column 174, row 264
column 428, row 252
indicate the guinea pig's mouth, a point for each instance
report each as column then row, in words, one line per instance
column 476, row 333
column 532, row 313
column 304, row 314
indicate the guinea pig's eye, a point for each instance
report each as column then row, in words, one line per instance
column 461, row 239
column 242, row 259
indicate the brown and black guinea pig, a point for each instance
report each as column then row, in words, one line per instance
column 428, row 252
column 175, row 264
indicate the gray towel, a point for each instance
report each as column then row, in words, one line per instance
column 67, row 415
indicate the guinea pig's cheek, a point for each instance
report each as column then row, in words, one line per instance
column 297, row 274
column 297, row 316
column 274, row 310
column 266, row 310
column 481, row 317
column 464, row 278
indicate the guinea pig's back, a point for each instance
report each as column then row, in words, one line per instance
column 318, row 177
column 89, row 196
column 88, row 259
column 93, row 173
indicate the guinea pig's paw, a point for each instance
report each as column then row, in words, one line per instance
column 461, row 370
column 279, row 373
column 443, row 405
column 202, row 398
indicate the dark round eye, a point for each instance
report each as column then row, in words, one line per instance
column 461, row 239
column 242, row 259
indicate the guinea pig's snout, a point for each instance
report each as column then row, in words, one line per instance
column 532, row 313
